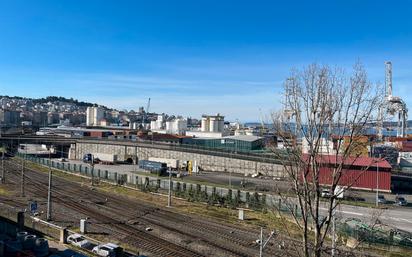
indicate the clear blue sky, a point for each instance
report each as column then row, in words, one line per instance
column 194, row 57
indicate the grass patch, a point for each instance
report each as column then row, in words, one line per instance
column 254, row 219
column 4, row 191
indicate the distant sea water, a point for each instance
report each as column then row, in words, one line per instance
column 368, row 131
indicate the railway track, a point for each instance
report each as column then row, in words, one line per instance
column 106, row 209
column 137, row 238
column 180, row 224
column 228, row 238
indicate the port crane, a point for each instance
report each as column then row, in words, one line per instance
column 146, row 111
column 392, row 106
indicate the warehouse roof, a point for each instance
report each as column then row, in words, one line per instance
column 248, row 138
column 354, row 161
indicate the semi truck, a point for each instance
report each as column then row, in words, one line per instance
column 103, row 158
column 175, row 164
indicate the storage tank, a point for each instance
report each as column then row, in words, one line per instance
column 159, row 124
column 214, row 124
column 205, row 124
column 153, row 125
column 169, row 125
column 181, row 126
column 221, row 125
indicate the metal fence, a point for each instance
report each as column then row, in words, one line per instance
column 375, row 234
column 230, row 197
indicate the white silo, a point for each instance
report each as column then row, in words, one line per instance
column 181, row 126
column 221, row 125
column 153, row 124
column 159, row 122
column 169, row 126
column 214, row 124
column 205, row 124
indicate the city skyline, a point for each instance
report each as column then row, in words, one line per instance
column 190, row 59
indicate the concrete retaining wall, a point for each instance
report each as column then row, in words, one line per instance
column 204, row 161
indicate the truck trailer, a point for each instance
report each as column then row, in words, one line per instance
column 103, row 158
column 173, row 164
column 158, row 168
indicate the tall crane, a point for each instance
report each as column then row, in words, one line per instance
column 392, row 105
column 147, row 109
column 262, row 129
column 144, row 120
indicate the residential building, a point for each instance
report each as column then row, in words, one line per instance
column 94, row 115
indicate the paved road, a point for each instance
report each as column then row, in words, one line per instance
column 399, row 217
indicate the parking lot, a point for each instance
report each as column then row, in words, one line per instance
column 263, row 184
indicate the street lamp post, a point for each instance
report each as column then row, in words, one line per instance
column 169, row 196
column 377, row 181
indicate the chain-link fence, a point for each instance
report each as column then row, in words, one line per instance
column 362, row 232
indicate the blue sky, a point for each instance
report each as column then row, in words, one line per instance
column 194, row 57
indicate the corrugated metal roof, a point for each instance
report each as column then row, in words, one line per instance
column 248, row 138
column 353, row 161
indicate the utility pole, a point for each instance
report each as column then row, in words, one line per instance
column 49, row 210
column 169, row 197
column 22, row 173
column 3, row 179
column 262, row 244
column 92, row 169
column 377, row 181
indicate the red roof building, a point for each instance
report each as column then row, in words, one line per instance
column 363, row 173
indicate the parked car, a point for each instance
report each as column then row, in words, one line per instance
column 381, row 199
column 78, row 240
column 325, row 193
column 107, row 250
column 400, row 200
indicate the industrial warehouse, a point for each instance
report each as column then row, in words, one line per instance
column 205, row 128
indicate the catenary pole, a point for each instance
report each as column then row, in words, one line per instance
column 3, row 173
column 49, row 207
column 169, row 197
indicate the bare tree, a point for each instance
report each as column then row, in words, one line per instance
column 325, row 114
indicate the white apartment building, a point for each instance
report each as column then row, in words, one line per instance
column 94, row 115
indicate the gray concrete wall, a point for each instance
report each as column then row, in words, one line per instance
column 205, row 162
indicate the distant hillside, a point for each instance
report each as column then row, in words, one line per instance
column 52, row 99
column 62, row 99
